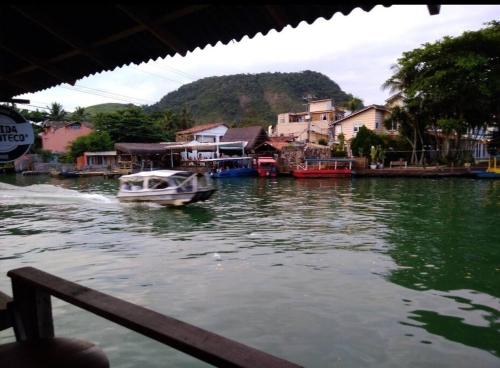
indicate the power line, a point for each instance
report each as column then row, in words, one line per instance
column 121, row 99
column 157, row 75
column 113, row 93
column 178, row 71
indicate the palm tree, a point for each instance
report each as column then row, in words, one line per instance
column 79, row 114
column 56, row 112
column 354, row 104
column 396, row 83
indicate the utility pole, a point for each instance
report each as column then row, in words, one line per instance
column 308, row 98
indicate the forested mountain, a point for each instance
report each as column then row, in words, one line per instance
column 249, row 99
column 106, row 108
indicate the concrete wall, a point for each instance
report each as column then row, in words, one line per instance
column 320, row 105
column 58, row 140
column 319, row 129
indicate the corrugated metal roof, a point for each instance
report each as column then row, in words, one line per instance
column 45, row 44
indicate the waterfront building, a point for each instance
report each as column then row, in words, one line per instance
column 105, row 160
column 58, row 135
column 372, row 117
column 308, row 126
column 206, row 133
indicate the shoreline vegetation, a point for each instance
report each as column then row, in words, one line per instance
column 448, row 104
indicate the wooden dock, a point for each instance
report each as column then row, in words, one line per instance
column 35, row 173
column 420, row 172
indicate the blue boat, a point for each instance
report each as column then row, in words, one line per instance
column 230, row 167
column 492, row 172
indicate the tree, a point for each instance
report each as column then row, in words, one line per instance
column 353, row 103
column 169, row 122
column 93, row 142
column 364, row 140
column 452, row 85
column 79, row 114
column 129, row 125
column 56, row 112
column 36, row 116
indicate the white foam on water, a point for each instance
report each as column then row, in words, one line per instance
column 47, row 194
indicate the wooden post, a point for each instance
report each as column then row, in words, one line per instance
column 32, row 312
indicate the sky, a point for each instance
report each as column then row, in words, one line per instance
column 356, row 51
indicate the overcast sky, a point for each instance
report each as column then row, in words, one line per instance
column 356, row 51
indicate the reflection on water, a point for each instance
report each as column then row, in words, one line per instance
column 361, row 272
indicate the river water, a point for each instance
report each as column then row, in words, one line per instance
column 325, row 273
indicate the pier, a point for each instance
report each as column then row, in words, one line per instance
column 417, row 172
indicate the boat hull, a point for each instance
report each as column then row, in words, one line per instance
column 487, row 175
column 166, row 199
column 325, row 173
column 267, row 173
column 234, row 173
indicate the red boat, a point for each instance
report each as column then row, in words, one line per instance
column 324, row 168
column 266, row 166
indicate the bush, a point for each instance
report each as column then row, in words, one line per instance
column 364, row 140
column 93, row 142
column 339, row 153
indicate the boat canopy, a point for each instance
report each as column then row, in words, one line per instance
column 156, row 174
column 200, row 146
column 329, row 160
column 266, row 159
column 225, row 159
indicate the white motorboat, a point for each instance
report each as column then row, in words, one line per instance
column 165, row 187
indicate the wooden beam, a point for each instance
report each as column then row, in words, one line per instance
column 116, row 37
column 434, row 9
column 277, row 15
column 40, row 65
column 167, row 38
column 5, row 320
column 32, row 312
column 63, row 36
column 204, row 345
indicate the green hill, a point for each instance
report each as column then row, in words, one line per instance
column 106, row 108
column 249, row 98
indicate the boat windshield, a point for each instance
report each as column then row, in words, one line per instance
column 178, row 179
column 231, row 164
column 266, row 164
column 158, row 183
column 132, row 185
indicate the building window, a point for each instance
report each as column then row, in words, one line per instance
column 356, row 127
column 282, row 121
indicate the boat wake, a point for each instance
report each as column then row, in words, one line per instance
column 46, row 194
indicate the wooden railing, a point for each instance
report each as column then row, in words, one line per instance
column 32, row 319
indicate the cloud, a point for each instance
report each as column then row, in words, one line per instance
column 356, row 51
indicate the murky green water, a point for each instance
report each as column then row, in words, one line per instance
column 325, row 273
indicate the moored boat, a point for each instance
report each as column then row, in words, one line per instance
column 492, row 172
column 165, row 187
column 266, row 166
column 324, row 168
column 230, row 167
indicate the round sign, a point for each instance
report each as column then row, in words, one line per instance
column 16, row 135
